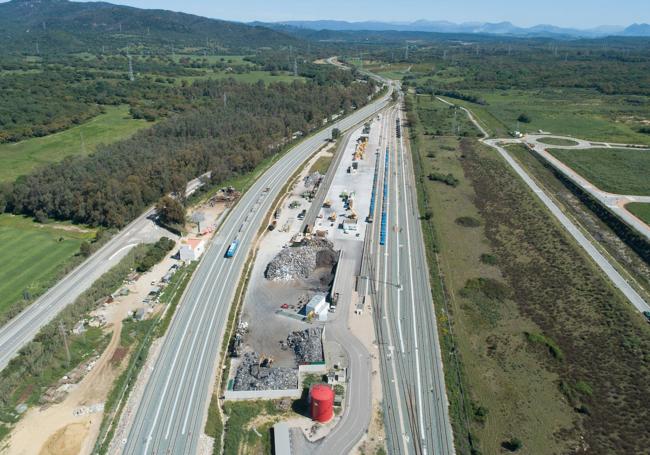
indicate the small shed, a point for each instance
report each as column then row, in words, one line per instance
column 318, row 306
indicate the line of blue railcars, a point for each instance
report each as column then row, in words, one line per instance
column 382, row 232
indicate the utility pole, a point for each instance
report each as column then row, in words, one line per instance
column 406, row 52
column 295, row 67
column 225, row 100
column 65, row 341
column 131, row 77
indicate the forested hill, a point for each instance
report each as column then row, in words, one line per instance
column 114, row 185
column 64, row 26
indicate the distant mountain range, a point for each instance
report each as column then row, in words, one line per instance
column 499, row 28
column 64, row 25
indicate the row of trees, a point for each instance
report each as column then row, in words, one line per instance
column 230, row 129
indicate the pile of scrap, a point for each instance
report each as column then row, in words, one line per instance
column 254, row 374
column 307, row 345
column 299, row 262
column 227, row 194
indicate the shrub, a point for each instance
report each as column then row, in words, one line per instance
column 524, row 118
column 468, row 221
column 553, row 348
column 512, row 444
column 489, row 259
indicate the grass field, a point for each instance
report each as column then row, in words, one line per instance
column 509, row 392
column 640, row 210
column 579, row 113
column 32, row 255
column 620, row 171
column 20, row 158
column 558, row 141
column 591, row 337
column 321, row 165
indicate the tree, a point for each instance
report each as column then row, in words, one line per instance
column 85, row 249
column 336, row 133
column 524, row 118
column 170, row 210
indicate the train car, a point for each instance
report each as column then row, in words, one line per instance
column 232, row 249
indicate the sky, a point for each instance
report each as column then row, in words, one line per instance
column 564, row 13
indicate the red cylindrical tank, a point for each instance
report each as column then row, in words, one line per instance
column 322, row 402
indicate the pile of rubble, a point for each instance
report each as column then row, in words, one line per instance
column 307, row 345
column 298, row 262
column 251, row 375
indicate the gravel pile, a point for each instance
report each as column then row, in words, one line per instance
column 299, row 262
column 251, row 376
column 307, row 345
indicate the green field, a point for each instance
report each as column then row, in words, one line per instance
column 508, row 391
column 619, row 171
column 228, row 59
column 583, row 114
column 22, row 157
column 558, row 141
column 33, row 254
column 640, row 210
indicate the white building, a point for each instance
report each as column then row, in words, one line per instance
column 191, row 249
column 318, row 306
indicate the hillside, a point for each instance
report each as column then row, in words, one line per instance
column 65, row 26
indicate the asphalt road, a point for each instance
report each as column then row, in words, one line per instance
column 572, row 229
column 416, row 413
column 24, row 327
column 617, row 280
column 174, row 405
column 615, row 202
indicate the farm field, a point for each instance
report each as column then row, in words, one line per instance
column 33, row 255
column 21, row 157
column 620, row 171
column 640, row 210
column 509, row 391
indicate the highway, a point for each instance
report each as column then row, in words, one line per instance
column 416, row 406
column 24, row 327
column 174, row 405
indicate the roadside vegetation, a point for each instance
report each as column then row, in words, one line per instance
column 498, row 386
column 591, row 339
column 55, row 350
column 135, row 341
column 629, row 249
column 640, row 210
column 620, row 171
